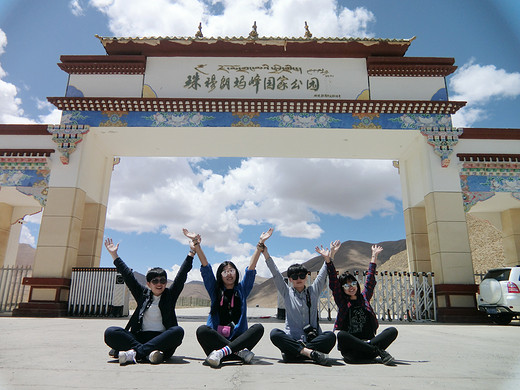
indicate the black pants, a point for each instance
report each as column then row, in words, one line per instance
column 291, row 347
column 353, row 348
column 210, row 340
column 145, row 342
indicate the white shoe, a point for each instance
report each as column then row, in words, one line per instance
column 214, row 358
column 156, row 357
column 246, row 355
column 127, row 357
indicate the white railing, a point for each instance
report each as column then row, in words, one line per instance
column 97, row 292
column 12, row 289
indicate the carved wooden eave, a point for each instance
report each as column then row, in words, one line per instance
column 24, row 129
column 258, row 47
column 485, row 133
column 26, row 152
column 255, row 105
column 410, row 66
column 480, row 157
column 114, row 64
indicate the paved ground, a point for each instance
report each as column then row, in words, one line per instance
column 69, row 353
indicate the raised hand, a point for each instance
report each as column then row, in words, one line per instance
column 334, row 247
column 325, row 252
column 265, row 235
column 111, row 247
column 376, row 249
column 194, row 237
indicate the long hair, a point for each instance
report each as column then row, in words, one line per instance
column 348, row 277
column 219, row 285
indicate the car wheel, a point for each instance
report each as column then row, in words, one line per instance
column 501, row 319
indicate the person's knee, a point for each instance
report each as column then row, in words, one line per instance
column 275, row 334
column 258, row 328
column 111, row 330
column 393, row 332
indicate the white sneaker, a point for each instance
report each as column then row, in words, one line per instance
column 246, row 355
column 127, row 357
column 214, row 358
column 156, row 357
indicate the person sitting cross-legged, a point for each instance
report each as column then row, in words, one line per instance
column 226, row 334
column 302, row 337
column 356, row 321
column 152, row 333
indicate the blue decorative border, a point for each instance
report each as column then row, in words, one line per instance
column 263, row 119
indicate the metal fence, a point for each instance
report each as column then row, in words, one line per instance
column 12, row 289
column 398, row 296
column 97, row 292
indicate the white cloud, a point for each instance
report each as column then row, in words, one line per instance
column 11, row 105
column 274, row 18
column 76, row 8
column 165, row 195
column 478, row 85
column 26, row 237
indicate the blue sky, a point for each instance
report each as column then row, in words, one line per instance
column 229, row 201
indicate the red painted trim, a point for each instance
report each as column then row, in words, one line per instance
column 255, row 105
column 46, row 282
column 456, row 289
column 23, row 130
column 486, row 133
column 26, row 152
column 488, row 157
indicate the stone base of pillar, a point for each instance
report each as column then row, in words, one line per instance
column 453, row 314
column 56, row 289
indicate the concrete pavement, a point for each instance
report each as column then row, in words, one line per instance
column 69, row 353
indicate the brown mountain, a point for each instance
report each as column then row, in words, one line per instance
column 351, row 256
column 25, row 255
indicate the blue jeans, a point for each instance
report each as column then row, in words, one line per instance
column 145, row 342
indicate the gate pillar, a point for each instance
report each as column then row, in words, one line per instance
column 6, row 212
column 511, row 232
column 417, row 244
column 72, row 227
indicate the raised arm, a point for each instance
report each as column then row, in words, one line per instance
column 195, row 246
column 260, row 248
column 127, row 273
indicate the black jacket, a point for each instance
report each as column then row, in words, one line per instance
column 143, row 295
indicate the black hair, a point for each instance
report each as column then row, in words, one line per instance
column 155, row 272
column 346, row 277
column 296, row 269
column 219, row 285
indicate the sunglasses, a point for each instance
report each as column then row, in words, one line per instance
column 158, row 280
column 230, row 271
column 351, row 284
column 301, row 275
